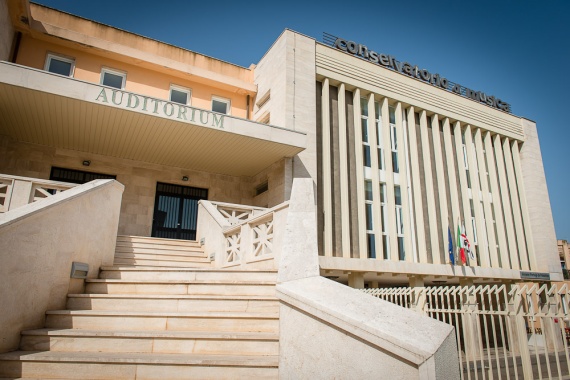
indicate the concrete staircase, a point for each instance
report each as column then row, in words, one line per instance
column 159, row 313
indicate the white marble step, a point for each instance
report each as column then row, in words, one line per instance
column 177, row 287
column 102, row 365
column 162, row 321
column 203, row 274
column 164, row 256
column 221, row 343
column 126, row 239
column 162, row 263
column 176, row 303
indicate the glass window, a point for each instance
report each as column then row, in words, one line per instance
column 365, row 139
column 180, row 95
column 368, row 190
column 59, row 65
column 221, row 105
column 379, row 134
column 112, row 78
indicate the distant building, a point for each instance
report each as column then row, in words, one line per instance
column 564, row 254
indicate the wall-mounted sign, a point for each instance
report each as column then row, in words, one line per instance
column 160, row 107
column 414, row 71
column 535, row 276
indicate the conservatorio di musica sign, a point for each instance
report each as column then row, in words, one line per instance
column 414, row 71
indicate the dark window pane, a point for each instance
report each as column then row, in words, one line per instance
column 221, row 107
column 59, row 67
column 397, row 195
column 401, row 251
column 178, row 96
column 366, row 152
column 369, row 224
column 371, row 246
column 385, row 246
column 368, row 190
column 113, row 80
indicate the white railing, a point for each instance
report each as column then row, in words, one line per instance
column 249, row 234
column 516, row 332
column 19, row 191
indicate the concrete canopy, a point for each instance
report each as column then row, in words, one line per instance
column 47, row 109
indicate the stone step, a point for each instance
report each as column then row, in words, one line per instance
column 162, row 263
column 223, row 343
column 178, row 303
column 162, row 321
column 102, row 365
column 177, row 287
column 125, row 239
column 163, row 257
column 203, row 274
column 160, row 250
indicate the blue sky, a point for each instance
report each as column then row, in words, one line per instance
column 517, row 50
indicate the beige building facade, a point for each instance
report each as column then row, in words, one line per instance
column 399, row 162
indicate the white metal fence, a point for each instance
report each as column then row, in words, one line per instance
column 503, row 331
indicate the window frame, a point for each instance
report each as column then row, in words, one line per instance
column 120, row 73
column 221, row 100
column 62, row 58
column 179, row 88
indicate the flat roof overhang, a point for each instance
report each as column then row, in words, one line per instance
column 43, row 108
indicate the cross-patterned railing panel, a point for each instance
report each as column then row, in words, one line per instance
column 262, row 242
column 233, row 248
column 5, row 191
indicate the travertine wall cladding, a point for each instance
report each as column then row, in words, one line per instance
column 6, row 32
column 140, row 179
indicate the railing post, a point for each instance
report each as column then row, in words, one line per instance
column 21, row 193
column 473, row 340
column 418, row 294
column 246, row 243
column 552, row 332
column 518, row 331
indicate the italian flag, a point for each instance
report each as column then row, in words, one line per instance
column 460, row 244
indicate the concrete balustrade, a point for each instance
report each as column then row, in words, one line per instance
column 19, row 191
column 39, row 242
column 242, row 236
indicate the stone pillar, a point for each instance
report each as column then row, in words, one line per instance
column 356, row 280
column 21, row 194
column 553, row 335
column 517, row 330
column 472, row 336
column 419, row 294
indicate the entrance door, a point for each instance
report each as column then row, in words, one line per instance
column 176, row 211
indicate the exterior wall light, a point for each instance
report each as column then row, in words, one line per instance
column 86, row 162
column 185, row 178
column 79, row 270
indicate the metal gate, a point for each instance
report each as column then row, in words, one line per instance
column 503, row 332
column 176, row 211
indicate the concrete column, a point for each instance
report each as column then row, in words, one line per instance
column 327, row 171
column 524, row 205
column 552, row 332
column 452, row 180
column 521, row 243
column 429, row 189
column 359, row 174
column 417, row 188
column 389, row 173
column 344, row 186
column 375, row 167
column 404, row 187
column 492, row 258
column 477, row 209
column 464, row 188
column 506, row 203
column 442, row 192
column 497, row 203
column 356, row 280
